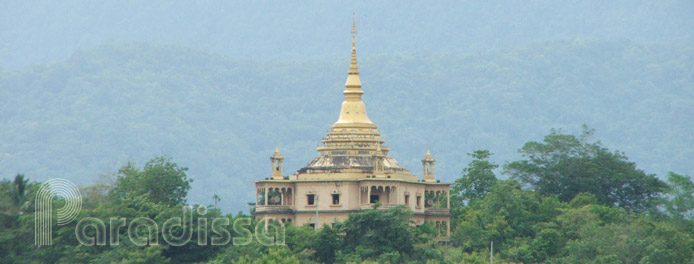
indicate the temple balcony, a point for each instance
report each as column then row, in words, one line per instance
column 437, row 211
column 273, row 208
column 382, row 206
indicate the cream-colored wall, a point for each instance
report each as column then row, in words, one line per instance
column 350, row 199
column 278, row 217
column 413, row 189
column 348, row 191
column 323, row 218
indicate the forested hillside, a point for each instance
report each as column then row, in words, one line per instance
column 293, row 29
column 222, row 116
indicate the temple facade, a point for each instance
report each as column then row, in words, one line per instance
column 352, row 173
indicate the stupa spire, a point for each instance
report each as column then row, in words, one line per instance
column 353, row 112
column 353, row 90
column 353, row 68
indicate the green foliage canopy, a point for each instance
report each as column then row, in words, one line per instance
column 478, row 177
column 566, row 165
column 161, row 180
column 375, row 232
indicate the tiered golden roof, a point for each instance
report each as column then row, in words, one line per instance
column 353, row 141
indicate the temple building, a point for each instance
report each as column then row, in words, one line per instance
column 352, row 173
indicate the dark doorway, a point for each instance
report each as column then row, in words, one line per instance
column 374, row 198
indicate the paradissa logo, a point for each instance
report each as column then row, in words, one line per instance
column 43, row 219
column 143, row 231
column 175, row 231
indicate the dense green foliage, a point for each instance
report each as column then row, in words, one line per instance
column 223, row 116
column 527, row 225
column 374, row 233
column 566, row 165
column 680, row 204
column 162, row 181
column 102, row 201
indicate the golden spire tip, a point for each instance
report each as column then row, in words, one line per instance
column 354, row 31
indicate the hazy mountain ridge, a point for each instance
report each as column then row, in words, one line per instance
column 291, row 29
column 222, row 116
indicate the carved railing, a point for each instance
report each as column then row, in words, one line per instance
column 263, row 208
column 382, row 206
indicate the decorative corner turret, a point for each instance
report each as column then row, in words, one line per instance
column 428, row 164
column 276, row 160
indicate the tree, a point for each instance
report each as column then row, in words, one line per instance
column 161, row 180
column 216, row 199
column 279, row 255
column 681, row 194
column 326, row 244
column 16, row 219
column 19, row 200
column 633, row 241
column 566, row 165
column 505, row 213
column 374, row 232
column 477, row 179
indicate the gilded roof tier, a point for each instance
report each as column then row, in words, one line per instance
column 353, row 142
